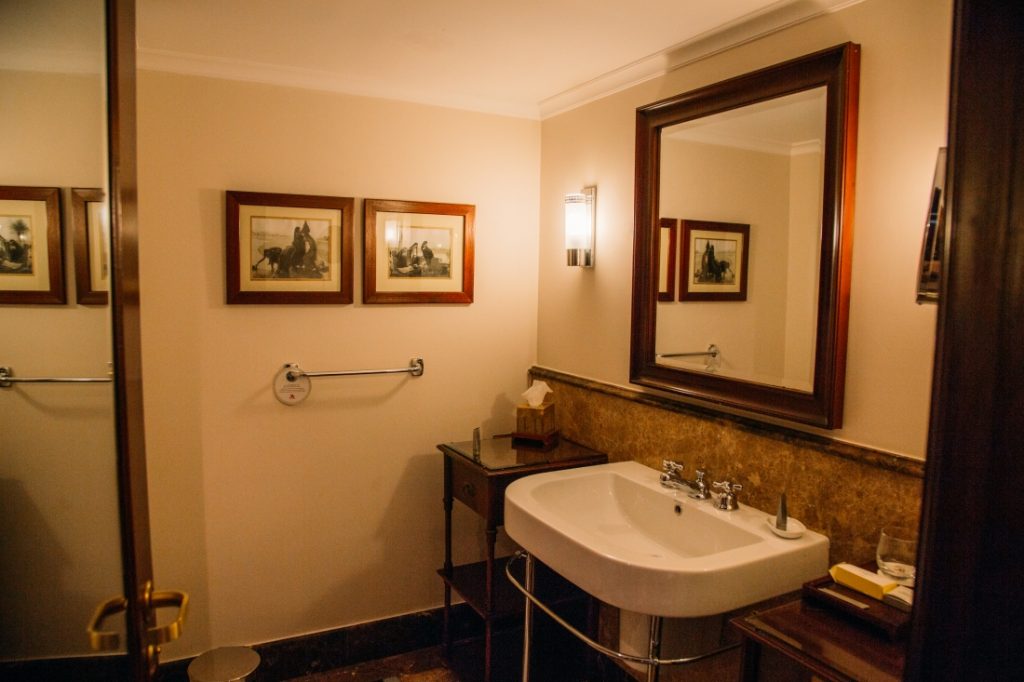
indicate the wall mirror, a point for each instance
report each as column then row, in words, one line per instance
column 72, row 475
column 755, row 176
column 58, row 475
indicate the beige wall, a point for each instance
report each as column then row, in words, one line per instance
column 700, row 182
column 59, row 539
column 282, row 521
column 903, row 96
column 287, row 520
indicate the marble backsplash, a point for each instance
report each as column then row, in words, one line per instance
column 843, row 491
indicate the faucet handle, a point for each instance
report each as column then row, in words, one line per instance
column 671, row 466
column 727, row 499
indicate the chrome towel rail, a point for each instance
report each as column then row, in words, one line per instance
column 415, row 368
column 7, row 379
column 711, row 351
column 292, row 383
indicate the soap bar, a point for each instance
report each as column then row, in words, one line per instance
column 862, row 580
column 901, row 597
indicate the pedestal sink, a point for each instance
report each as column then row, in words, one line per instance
column 614, row 531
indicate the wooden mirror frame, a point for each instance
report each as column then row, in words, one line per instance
column 837, row 69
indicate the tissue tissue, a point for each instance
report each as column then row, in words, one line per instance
column 535, row 421
column 535, row 393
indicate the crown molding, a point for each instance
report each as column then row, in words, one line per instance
column 311, row 79
column 773, row 19
column 777, row 17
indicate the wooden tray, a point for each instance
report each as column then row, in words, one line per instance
column 888, row 620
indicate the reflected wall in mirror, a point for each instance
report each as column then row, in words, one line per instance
column 933, row 244
column 759, row 167
column 59, row 531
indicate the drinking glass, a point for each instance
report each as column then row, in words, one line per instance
column 897, row 553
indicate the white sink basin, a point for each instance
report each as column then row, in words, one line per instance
column 614, row 531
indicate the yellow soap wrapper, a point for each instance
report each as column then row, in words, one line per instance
column 862, row 580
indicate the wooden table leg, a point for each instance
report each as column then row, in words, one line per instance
column 446, row 631
column 750, row 660
column 492, row 536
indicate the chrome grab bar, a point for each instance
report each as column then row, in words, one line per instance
column 7, row 379
column 415, row 368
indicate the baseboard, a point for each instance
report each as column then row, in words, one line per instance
column 299, row 656
column 79, row 668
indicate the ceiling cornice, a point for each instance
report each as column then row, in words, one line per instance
column 311, row 79
column 776, row 18
column 747, row 29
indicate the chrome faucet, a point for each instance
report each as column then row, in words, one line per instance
column 672, row 477
column 726, row 500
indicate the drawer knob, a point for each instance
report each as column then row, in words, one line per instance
column 469, row 489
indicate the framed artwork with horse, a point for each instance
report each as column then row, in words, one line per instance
column 31, row 258
column 714, row 261
column 288, row 248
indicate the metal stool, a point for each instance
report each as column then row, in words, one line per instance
column 226, row 664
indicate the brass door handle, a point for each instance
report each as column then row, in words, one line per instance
column 100, row 640
column 170, row 632
column 109, row 640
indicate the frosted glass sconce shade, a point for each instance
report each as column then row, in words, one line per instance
column 579, row 227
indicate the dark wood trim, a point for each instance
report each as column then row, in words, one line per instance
column 838, row 69
column 127, row 342
column 969, row 610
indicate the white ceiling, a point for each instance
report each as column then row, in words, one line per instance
column 520, row 57
column 784, row 125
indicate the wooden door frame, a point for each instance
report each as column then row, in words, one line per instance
column 136, row 559
column 969, row 609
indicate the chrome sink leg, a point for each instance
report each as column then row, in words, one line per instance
column 527, row 616
column 654, row 649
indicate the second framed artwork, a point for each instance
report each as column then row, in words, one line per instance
column 714, row 261
column 92, row 239
column 288, row 248
column 417, row 252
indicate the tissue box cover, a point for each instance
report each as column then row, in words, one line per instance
column 536, row 423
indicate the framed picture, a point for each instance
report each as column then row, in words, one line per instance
column 417, row 252
column 667, row 264
column 91, row 231
column 934, row 236
column 31, row 262
column 288, row 248
column 714, row 261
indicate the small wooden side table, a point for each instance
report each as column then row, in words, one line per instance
column 480, row 483
column 819, row 641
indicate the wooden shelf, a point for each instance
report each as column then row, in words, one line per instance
column 470, row 582
column 821, row 640
column 479, row 482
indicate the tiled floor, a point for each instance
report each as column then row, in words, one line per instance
column 426, row 665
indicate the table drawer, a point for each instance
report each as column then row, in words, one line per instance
column 471, row 487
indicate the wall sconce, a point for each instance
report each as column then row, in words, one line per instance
column 580, row 227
